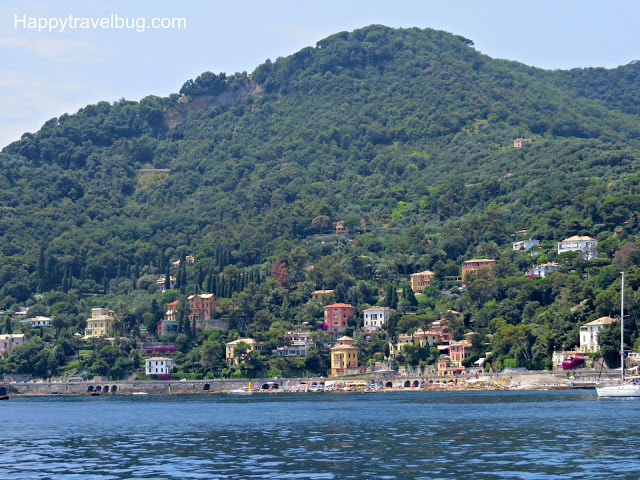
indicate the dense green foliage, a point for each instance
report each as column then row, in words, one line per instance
column 405, row 134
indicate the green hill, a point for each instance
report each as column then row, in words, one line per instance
column 406, row 134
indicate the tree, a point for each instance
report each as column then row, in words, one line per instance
column 212, row 355
column 408, row 295
column 280, row 273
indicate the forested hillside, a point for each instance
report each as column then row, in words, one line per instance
column 405, row 134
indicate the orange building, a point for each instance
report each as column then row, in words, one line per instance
column 337, row 315
column 475, row 265
column 344, row 357
column 421, row 280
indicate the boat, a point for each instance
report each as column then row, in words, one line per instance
column 4, row 397
column 628, row 387
column 95, row 394
column 242, row 391
column 139, row 393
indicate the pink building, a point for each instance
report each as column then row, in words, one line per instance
column 8, row 341
column 458, row 351
column 337, row 315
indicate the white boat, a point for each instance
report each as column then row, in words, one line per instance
column 241, row 391
column 139, row 393
column 628, row 387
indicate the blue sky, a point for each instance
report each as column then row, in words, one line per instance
column 44, row 74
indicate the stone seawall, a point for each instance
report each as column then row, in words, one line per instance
column 147, row 386
column 502, row 379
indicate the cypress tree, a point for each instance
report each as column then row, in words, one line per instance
column 407, row 293
column 388, row 295
column 199, row 277
column 167, row 277
column 42, row 270
column 218, row 256
column 218, row 284
column 50, row 272
column 394, row 298
column 161, row 260
column 210, row 282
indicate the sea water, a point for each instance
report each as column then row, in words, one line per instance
column 412, row 435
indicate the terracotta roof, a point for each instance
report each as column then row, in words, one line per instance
column 601, row 321
column 335, row 305
column 578, row 238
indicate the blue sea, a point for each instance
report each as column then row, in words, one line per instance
column 412, row 435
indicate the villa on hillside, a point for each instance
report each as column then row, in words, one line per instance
column 517, row 143
column 586, row 245
column 37, row 321
column 589, row 334
column 158, row 366
column 419, row 338
column 543, row 269
column 161, row 280
column 203, row 307
column 337, row 315
column 344, row 357
column 476, row 265
column 300, row 341
column 526, row 245
column 100, row 323
column 321, row 293
column 10, row 340
column 375, row 318
column 421, row 280
column 232, row 358
column 341, row 229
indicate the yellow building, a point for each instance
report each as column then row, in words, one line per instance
column 231, row 349
column 101, row 321
column 419, row 338
column 344, row 357
column 421, row 280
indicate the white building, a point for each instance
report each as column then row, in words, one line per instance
column 298, row 348
column 158, row 365
column 589, row 333
column 375, row 318
column 160, row 281
column 525, row 245
column 586, row 245
column 37, row 321
column 544, row 269
column 300, row 341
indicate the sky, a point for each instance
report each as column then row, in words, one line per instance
column 47, row 70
